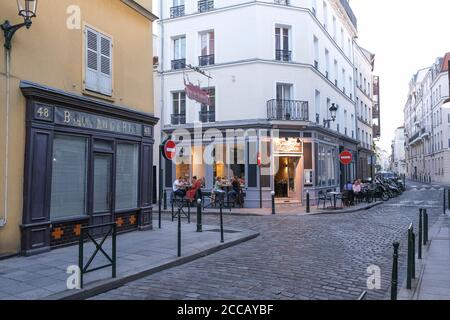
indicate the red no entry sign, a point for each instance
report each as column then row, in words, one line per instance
column 346, row 157
column 169, row 149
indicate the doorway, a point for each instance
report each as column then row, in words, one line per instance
column 287, row 179
column 102, row 197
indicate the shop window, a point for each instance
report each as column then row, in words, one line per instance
column 237, row 158
column 325, row 165
column 69, row 165
column 183, row 170
column 252, row 166
column 127, row 176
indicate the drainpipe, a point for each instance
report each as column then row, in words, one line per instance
column 4, row 220
column 162, row 52
column 355, row 89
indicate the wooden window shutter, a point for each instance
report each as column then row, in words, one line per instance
column 105, row 80
column 92, row 66
column 98, row 62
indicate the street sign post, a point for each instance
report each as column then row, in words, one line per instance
column 167, row 149
column 346, row 158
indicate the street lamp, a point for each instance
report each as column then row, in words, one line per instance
column 27, row 9
column 333, row 112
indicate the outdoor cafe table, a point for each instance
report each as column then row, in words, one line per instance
column 335, row 194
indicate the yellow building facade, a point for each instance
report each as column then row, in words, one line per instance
column 76, row 113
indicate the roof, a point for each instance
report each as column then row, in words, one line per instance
column 444, row 64
column 140, row 8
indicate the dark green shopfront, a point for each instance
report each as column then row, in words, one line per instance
column 86, row 163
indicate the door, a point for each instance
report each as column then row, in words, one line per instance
column 102, row 189
column 294, row 190
column 287, row 179
column 284, row 93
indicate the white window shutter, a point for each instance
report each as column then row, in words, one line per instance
column 105, row 63
column 92, row 60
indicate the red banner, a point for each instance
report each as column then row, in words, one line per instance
column 196, row 93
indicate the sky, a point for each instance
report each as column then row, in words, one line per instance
column 405, row 35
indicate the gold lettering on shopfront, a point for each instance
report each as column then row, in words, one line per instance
column 86, row 120
column 66, row 117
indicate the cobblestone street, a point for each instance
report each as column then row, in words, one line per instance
column 297, row 257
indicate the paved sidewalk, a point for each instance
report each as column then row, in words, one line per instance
column 433, row 281
column 138, row 254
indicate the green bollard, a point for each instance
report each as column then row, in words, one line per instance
column 394, row 279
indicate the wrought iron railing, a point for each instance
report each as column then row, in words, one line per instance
column 283, row 55
column 287, row 110
column 178, row 64
column 206, row 60
column 177, row 11
column 178, row 119
column 283, row 2
column 205, row 5
column 207, row 116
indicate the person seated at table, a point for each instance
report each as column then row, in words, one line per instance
column 356, row 188
column 235, row 188
column 178, row 188
column 192, row 192
column 218, row 191
column 348, row 188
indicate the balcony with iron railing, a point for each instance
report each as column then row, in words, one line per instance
column 207, row 60
column 177, row 11
column 283, row 2
column 178, row 64
column 287, row 110
column 205, row 5
column 283, row 55
column 207, row 116
column 178, row 119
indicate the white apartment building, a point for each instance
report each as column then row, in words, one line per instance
column 364, row 65
column 398, row 162
column 273, row 65
column 427, row 124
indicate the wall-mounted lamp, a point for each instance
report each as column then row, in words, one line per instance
column 27, row 9
column 333, row 112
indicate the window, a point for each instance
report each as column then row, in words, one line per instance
column 317, row 102
column 327, row 62
column 325, row 15
column 207, row 48
column 350, row 85
column 314, row 7
column 179, row 53
column 334, row 28
column 336, row 73
column 316, row 53
column 179, row 108
column 282, row 52
column 98, row 60
column 69, row 164
column 349, row 48
column 343, row 80
column 127, row 176
column 342, row 40
column 208, row 112
column 325, row 161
